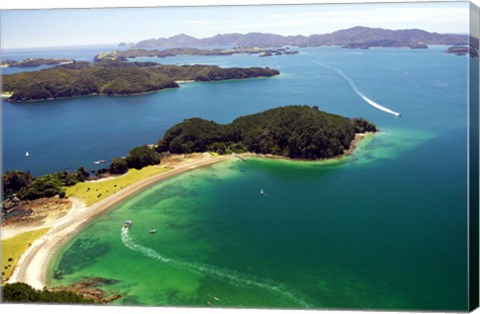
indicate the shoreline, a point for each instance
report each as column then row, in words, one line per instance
column 180, row 82
column 34, row 265
column 353, row 145
column 91, row 95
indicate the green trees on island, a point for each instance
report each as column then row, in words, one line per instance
column 298, row 132
column 14, row 181
column 118, row 166
column 27, row 187
column 142, row 156
column 114, row 78
column 23, row 293
column 292, row 131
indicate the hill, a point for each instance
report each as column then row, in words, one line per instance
column 170, row 52
column 35, row 62
column 355, row 35
column 114, row 78
column 300, row 132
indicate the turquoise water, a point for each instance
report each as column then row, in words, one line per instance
column 382, row 229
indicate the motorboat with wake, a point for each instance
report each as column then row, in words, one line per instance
column 127, row 224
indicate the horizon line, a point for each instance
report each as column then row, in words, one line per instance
column 217, row 34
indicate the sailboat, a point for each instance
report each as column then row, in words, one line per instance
column 27, row 154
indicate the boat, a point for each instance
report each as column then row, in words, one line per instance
column 27, row 154
column 127, row 224
column 152, row 230
column 262, row 193
column 99, row 162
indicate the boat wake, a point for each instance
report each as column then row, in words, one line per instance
column 233, row 277
column 357, row 91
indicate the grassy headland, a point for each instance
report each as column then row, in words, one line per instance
column 91, row 192
column 14, row 247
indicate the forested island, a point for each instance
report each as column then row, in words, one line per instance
column 298, row 132
column 115, row 78
column 171, row 52
column 34, row 62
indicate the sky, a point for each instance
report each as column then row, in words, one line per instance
column 73, row 27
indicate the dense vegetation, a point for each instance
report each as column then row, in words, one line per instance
column 299, row 132
column 292, row 131
column 23, row 293
column 114, row 78
column 35, row 62
column 14, row 181
column 142, row 156
column 27, row 187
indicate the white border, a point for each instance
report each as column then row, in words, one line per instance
column 45, row 4
column 49, row 4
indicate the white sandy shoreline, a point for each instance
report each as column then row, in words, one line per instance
column 32, row 268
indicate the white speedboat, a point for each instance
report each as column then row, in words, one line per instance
column 127, row 224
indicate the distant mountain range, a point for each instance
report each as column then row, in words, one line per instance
column 352, row 37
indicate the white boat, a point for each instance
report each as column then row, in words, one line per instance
column 99, row 162
column 152, row 230
column 27, row 154
column 261, row 192
column 127, row 224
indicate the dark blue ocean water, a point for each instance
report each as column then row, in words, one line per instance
column 427, row 86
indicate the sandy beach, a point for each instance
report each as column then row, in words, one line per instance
column 32, row 267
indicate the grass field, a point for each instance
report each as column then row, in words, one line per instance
column 91, row 192
column 13, row 248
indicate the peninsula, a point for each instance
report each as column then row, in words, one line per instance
column 296, row 132
column 115, row 79
column 34, row 62
column 171, row 52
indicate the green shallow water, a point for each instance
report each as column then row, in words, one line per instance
column 382, row 229
column 367, row 231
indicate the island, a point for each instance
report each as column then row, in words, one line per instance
column 71, row 200
column 385, row 43
column 171, row 52
column 297, row 132
column 462, row 51
column 115, row 79
column 34, row 62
